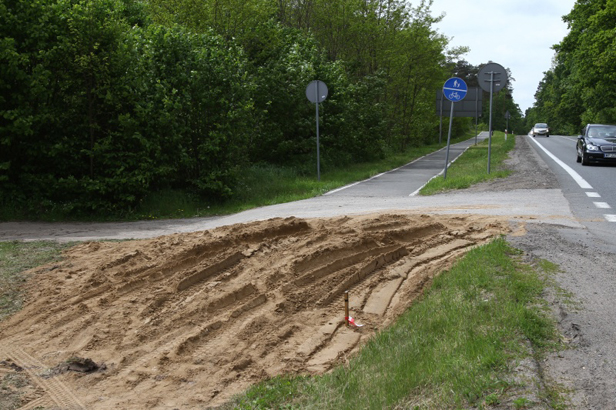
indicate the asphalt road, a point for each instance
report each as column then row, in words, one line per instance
column 589, row 189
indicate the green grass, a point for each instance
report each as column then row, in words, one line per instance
column 262, row 185
column 258, row 185
column 453, row 349
column 15, row 259
column 269, row 185
column 472, row 167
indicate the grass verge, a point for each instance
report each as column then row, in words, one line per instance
column 15, row 259
column 455, row 348
column 262, row 185
column 269, row 185
column 472, row 167
column 258, row 185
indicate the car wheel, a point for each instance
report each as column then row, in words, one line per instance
column 547, row 135
column 578, row 158
column 584, row 159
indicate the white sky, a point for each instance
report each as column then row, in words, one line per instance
column 517, row 34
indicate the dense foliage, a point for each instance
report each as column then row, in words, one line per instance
column 580, row 87
column 105, row 101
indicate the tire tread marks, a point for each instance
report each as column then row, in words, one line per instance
column 57, row 393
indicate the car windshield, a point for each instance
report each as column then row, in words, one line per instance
column 541, row 125
column 602, row 131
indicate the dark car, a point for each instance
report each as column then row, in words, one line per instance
column 540, row 128
column 597, row 144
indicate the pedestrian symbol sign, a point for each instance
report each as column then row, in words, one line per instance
column 455, row 89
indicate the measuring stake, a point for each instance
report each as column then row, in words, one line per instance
column 346, row 307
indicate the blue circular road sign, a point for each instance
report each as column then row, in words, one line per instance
column 455, row 89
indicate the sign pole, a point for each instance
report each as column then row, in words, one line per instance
column 476, row 112
column 440, row 121
column 448, row 139
column 454, row 89
column 318, row 148
column 490, row 127
column 316, row 92
column 492, row 70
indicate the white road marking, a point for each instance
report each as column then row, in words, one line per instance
column 581, row 182
column 576, row 177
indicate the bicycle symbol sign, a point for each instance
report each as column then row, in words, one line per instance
column 455, row 89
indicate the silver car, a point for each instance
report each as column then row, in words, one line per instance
column 540, row 129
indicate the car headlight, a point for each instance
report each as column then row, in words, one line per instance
column 591, row 147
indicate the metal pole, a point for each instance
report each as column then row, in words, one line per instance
column 440, row 122
column 318, row 153
column 448, row 139
column 476, row 112
column 490, row 127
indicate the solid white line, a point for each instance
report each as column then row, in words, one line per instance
column 602, row 205
column 593, row 195
column 576, row 177
column 610, row 218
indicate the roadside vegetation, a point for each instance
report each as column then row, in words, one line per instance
column 257, row 185
column 262, row 185
column 578, row 88
column 16, row 258
column 108, row 105
column 456, row 347
column 472, row 167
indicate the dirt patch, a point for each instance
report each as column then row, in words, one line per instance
column 188, row 320
column 529, row 171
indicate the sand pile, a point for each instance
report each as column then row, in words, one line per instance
column 187, row 320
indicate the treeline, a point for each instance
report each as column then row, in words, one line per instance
column 580, row 88
column 105, row 101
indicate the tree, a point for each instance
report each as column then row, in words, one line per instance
column 580, row 87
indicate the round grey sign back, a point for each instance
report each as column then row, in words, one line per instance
column 316, row 91
column 492, row 72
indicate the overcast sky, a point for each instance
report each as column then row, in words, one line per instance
column 517, row 34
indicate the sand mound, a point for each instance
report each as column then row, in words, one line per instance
column 188, row 320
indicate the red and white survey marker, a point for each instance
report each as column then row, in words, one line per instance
column 351, row 322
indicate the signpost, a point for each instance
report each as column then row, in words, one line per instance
column 316, row 92
column 469, row 107
column 492, row 78
column 454, row 90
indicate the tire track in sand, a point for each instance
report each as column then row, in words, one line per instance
column 56, row 391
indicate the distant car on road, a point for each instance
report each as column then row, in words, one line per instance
column 597, row 144
column 540, row 128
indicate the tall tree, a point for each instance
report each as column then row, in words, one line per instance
column 580, row 87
